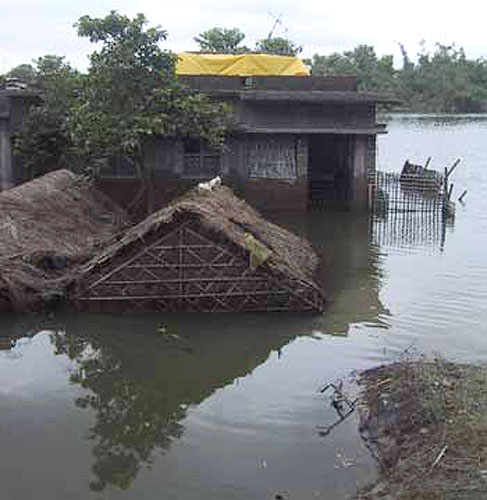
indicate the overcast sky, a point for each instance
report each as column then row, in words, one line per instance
column 33, row 28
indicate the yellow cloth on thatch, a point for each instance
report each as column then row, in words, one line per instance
column 259, row 253
column 240, row 65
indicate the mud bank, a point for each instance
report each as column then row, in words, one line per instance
column 425, row 421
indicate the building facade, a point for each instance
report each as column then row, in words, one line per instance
column 297, row 141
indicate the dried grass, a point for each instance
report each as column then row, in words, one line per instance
column 221, row 212
column 428, row 427
column 62, row 215
column 58, row 215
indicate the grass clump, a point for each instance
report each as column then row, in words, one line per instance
column 426, row 423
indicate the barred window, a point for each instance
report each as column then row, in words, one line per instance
column 120, row 167
column 272, row 158
column 200, row 160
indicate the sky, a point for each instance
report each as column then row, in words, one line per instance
column 33, row 28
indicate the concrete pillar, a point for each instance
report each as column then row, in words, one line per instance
column 6, row 180
column 359, row 186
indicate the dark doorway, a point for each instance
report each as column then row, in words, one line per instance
column 329, row 169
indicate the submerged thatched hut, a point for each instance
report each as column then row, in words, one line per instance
column 47, row 227
column 207, row 251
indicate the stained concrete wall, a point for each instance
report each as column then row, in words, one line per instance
column 6, row 178
column 361, row 160
column 305, row 116
column 14, row 106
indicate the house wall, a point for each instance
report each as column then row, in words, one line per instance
column 6, row 180
column 5, row 153
column 268, row 167
column 269, row 170
column 13, row 110
column 275, row 167
column 304, row 116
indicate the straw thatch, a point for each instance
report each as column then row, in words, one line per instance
column 46, row 227
column 226, row 220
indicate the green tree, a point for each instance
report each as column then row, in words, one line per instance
column 222, row 41
column 43, row 143
column 26, row 73
column 372, row 73
column 279, row 46
column 131, row 93
column 443, row 81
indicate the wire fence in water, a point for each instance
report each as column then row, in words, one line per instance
column 403, row 192
column 410, row 231
column 408, row 209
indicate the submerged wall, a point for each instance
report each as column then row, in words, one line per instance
column 271, row 171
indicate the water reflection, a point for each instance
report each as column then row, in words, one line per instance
column 351, row 268
column 14, row 327
column 411, row 231
column 140, row 377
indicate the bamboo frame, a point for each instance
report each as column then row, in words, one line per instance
column 188, row 269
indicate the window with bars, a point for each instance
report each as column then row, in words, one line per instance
column 200, row 160
column 119, row 167
column 272, row 158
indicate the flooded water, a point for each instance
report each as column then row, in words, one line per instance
column 229, row 406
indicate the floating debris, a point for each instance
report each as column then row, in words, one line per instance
column 343, row 405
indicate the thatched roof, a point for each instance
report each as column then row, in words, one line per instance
column 59, row 216
column 57, row 229
column 222, row 212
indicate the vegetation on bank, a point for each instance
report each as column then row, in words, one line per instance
column 444, row 81
column 426, row 423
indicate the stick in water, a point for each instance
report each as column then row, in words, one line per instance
column 439, row 457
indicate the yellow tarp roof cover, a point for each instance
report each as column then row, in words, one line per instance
column 240, row 65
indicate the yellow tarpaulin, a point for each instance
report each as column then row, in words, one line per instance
column 240, row 65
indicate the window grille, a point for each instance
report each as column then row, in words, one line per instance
column 200, row 160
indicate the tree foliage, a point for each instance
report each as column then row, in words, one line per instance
column 279, row 46
column 25, row 73
column 44, row 143
column 228, row 40
column 131, row 92
column 222, row 41
column 442, row 81
column 371, row 72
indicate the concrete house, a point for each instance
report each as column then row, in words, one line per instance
column 298, row 139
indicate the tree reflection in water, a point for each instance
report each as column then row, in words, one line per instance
column 139, row 382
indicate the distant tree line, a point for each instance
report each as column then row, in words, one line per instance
column 443, row 81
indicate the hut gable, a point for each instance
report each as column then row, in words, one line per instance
column 194, row 255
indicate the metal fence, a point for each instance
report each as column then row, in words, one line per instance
column 400, row 192
column 410, row 231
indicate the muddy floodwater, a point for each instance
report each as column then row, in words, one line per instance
column 229, row 406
